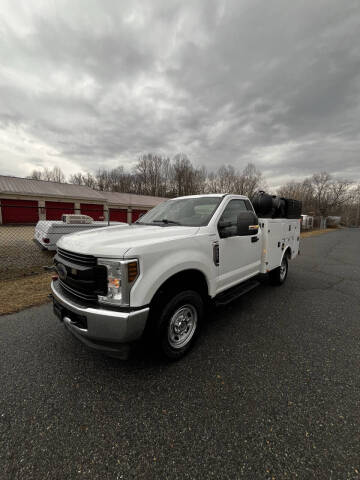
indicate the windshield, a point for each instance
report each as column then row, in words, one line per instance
column 192, row 211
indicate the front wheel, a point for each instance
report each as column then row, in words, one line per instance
column 278, row 275
column 178, row 323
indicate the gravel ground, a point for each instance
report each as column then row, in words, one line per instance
column 271, row 391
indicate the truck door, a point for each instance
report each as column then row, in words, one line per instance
column 239, row 254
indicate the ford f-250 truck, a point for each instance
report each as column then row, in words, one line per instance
column 153, row 279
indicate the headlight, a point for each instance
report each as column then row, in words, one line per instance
column 121, row 275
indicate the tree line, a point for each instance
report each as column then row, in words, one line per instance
column 157, row 175
column 323, row 195
column 163, row 177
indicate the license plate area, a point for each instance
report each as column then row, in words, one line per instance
column 61, row 312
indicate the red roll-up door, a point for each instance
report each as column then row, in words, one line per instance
column 19, row 211
column 94, row 211
column 54, row 210
column 118, row 215
column 136, row 214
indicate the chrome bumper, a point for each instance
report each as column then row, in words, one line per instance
column 102, row 325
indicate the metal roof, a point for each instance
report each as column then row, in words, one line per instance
column 28, row 186
column 132, row 200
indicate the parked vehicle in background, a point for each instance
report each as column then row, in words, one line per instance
column 155, row 277
column 48, row 232
column 307, row 222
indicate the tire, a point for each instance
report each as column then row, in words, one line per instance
column 279, row 274
column 178, row 323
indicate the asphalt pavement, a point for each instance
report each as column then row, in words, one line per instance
column 271, row 390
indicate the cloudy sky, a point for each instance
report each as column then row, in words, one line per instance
column 85, row 84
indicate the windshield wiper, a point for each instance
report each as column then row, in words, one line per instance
column 166, row 221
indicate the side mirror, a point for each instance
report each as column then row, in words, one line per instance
column 222, row 227
column 246, row 220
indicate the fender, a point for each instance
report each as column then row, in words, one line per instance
column 154, row 272
column 287, row 249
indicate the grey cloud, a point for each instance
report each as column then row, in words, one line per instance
column 225, row 82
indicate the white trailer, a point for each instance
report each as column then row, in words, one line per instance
column 307, row 222
column 48, row 232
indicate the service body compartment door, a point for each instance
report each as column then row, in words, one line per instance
column 278, row 235
column 273, row 235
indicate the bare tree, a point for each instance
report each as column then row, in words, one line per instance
column 86, row 179
column 77, row 178
column 226, row 179
column 250, row 181
column 35, row 175
column 51, row 175
column 152, row 174
column 329, row 194
column 182, row 175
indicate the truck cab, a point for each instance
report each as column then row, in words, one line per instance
column 153, row 279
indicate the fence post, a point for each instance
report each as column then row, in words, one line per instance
column 42, row 210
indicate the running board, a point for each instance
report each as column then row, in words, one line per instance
column 235, row 292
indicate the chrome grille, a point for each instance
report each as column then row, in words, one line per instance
column 84, row 279
column 76, row 258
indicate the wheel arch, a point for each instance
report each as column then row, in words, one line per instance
column 287, row 252
column 190, row 279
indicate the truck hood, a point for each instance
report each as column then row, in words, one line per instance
column 116, row 241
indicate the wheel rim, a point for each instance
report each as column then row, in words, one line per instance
column 283, row 269
column 182, row 326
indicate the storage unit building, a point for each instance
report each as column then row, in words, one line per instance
column 26, row 201
column 136, row 213
column 136, row 205
column 95, row 211
column 54, row 210
column 19, row 211
column 118, row 214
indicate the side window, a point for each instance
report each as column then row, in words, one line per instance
column 227, row 225
column 248, row 205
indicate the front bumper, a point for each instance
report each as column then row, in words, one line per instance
column 103, row 329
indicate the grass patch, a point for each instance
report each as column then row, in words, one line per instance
column 314, row 233
column 24, row 292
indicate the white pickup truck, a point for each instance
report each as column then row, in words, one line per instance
column 153, row 279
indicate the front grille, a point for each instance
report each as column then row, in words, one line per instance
column 84, row 279
column 78, row 294
column 77, row 258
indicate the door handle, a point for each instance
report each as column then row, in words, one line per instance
column 254, row 239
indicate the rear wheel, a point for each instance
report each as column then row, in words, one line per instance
column 278, row 275
column 178, row 322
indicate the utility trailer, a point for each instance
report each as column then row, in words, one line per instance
column 48, row 232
